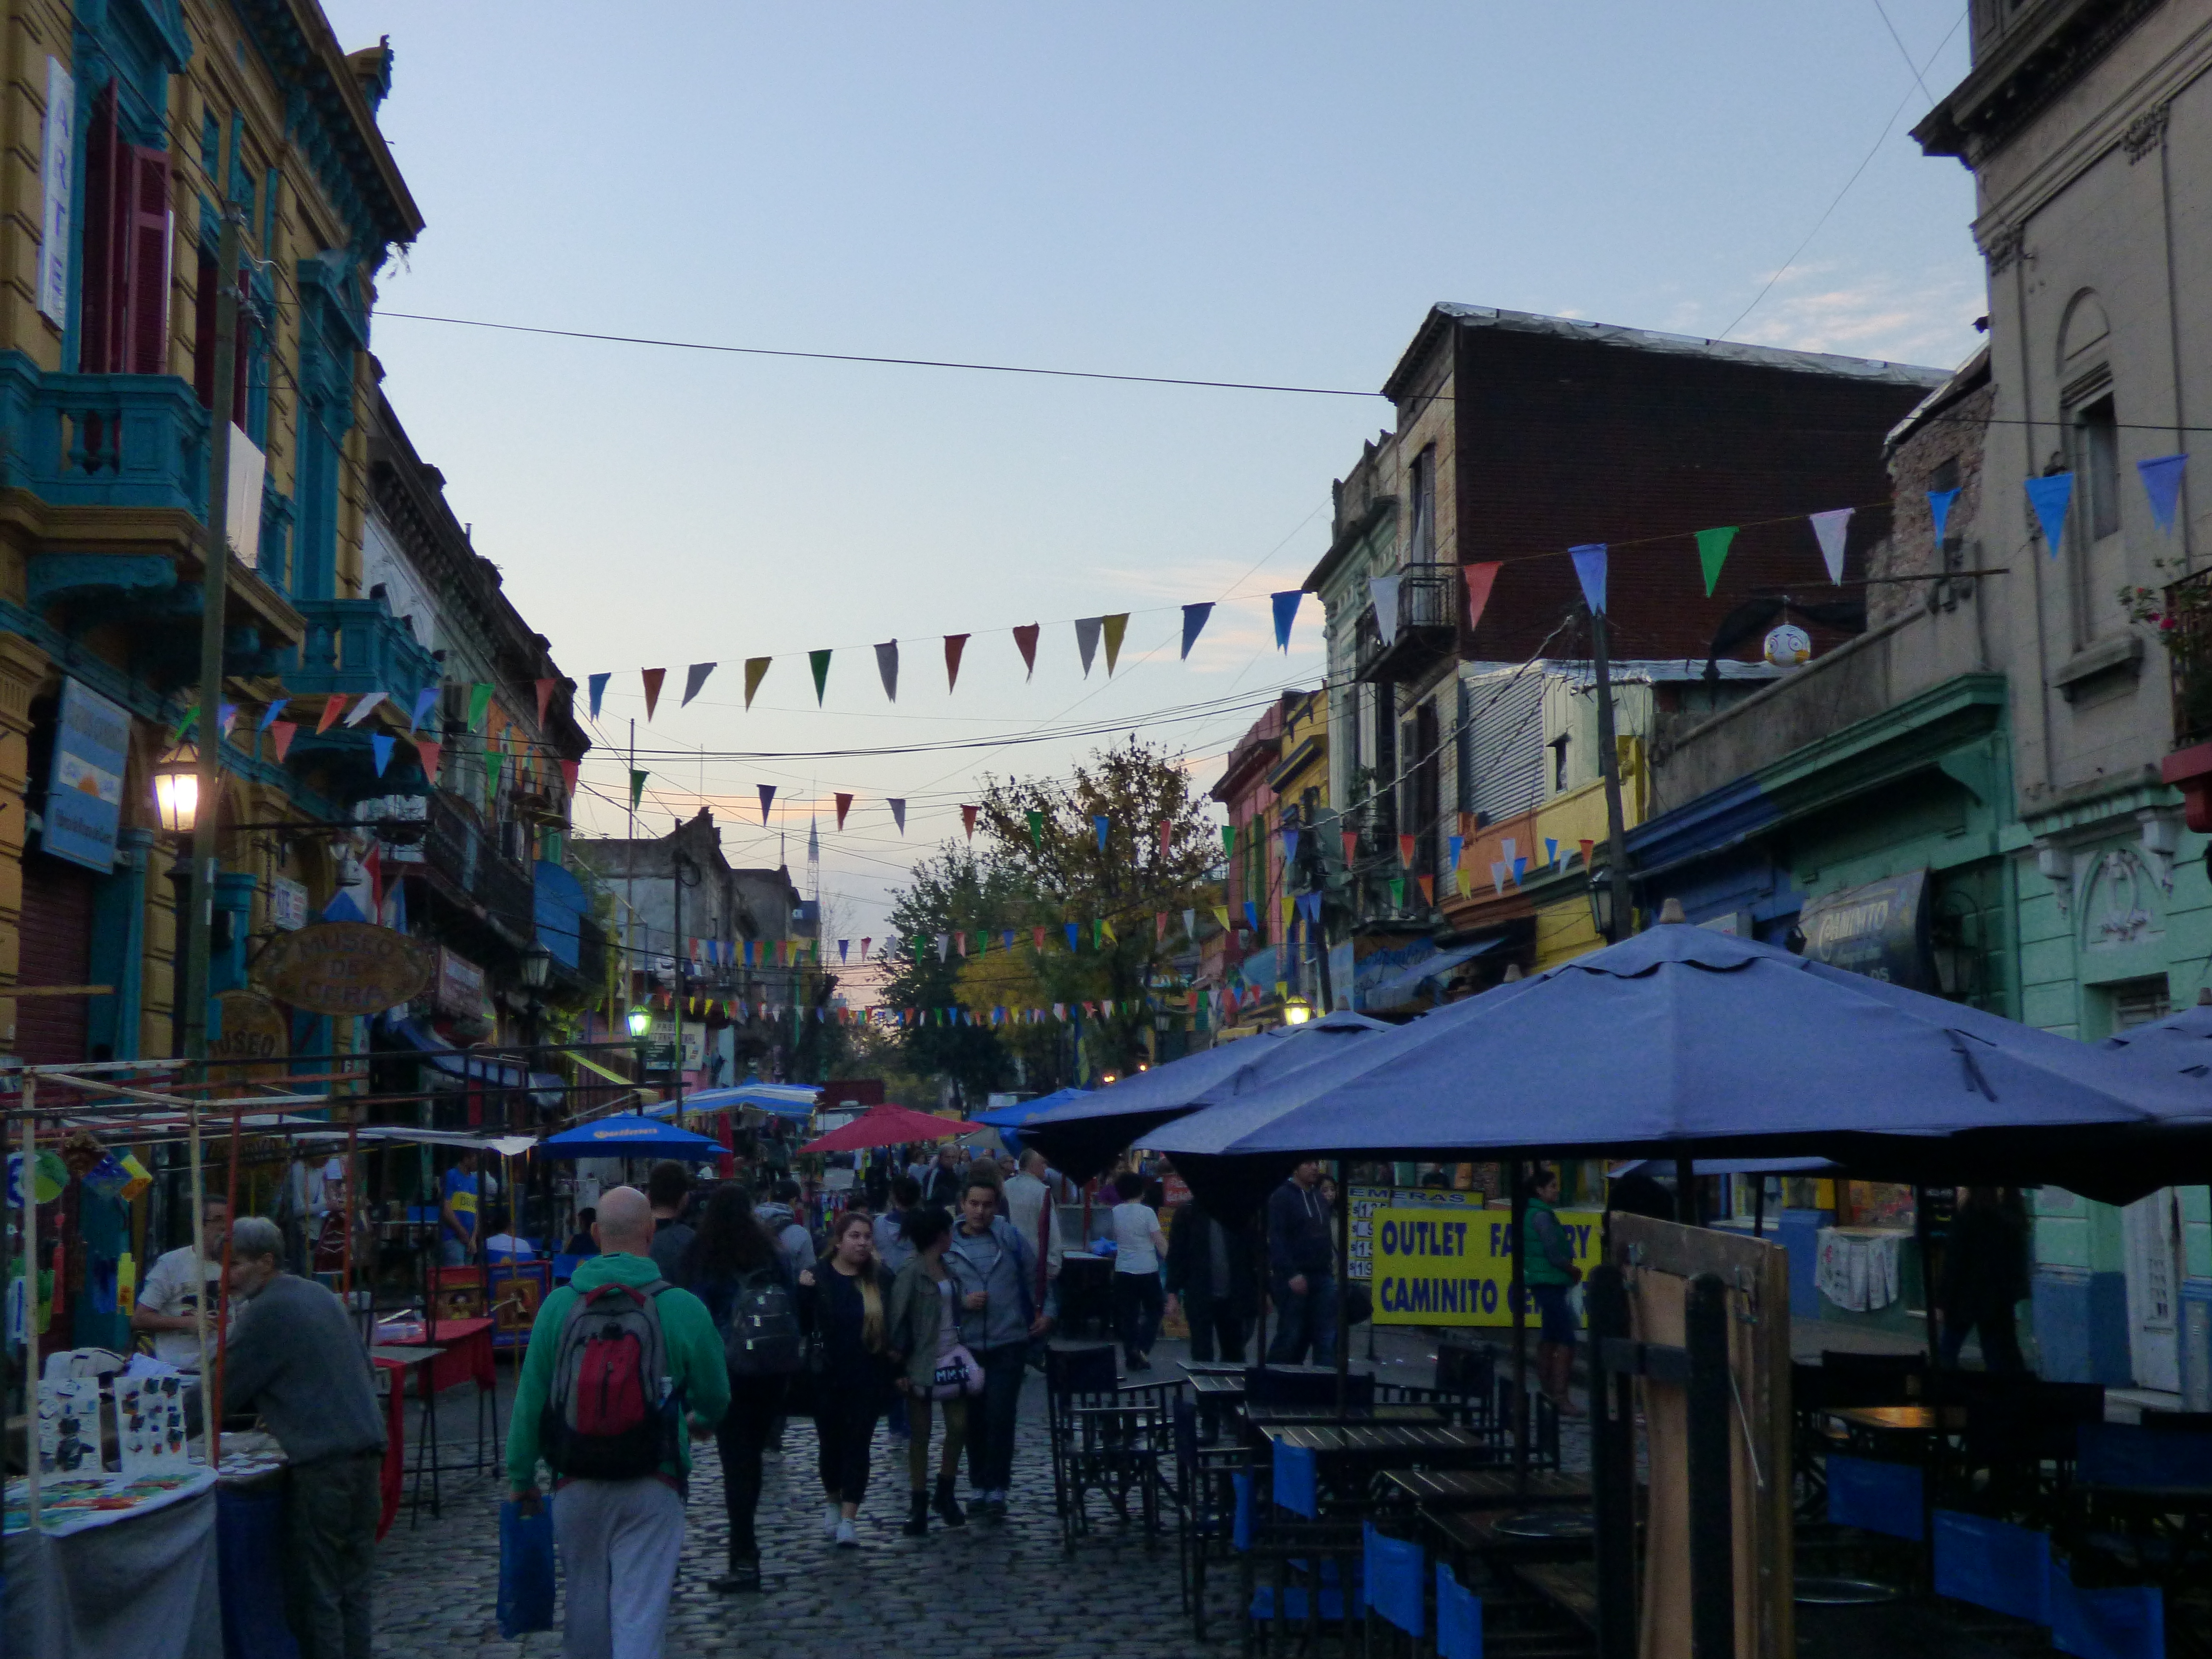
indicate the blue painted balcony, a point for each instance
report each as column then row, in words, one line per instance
column 136, row 441
column 357, row 646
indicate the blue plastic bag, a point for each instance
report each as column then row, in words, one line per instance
column 525, row 1569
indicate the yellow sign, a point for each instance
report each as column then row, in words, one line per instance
column 1452, row 1267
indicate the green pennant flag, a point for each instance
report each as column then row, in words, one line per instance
column 186, row 726
column 819, row 661
column 1098, row 934
column 479, row 700
column 1398, row 894
column 636, row 789
column 1712, row 551
column 1229, row 840
column 494, row 763
column 1037, row 830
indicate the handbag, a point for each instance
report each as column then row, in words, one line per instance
column 958, row 1373
column 527, row 1562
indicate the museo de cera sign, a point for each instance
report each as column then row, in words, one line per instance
column 1454, row 1266
column 344, row 967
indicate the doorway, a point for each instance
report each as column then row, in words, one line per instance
column 2150, row 1231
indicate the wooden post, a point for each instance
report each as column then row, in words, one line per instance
column 1343, row 1272
column 345, row 1272
column 208, row 1430
column 223, row 1335
column 31, row 1292
column 1711, row 1427
column 1518, row 1296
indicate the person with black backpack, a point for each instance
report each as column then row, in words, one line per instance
column 620, row 1364
column 737, row 1270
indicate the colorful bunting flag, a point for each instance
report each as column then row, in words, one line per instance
column 1398, row 892
column 1252, row 915
column 755, row 671
column 1229, row 840
column 819, row 661
column 1159, row 928
column 569, row 770
column 1589, row 851
column 545, row 687
column 898, row 814
column 281, row 733
column 1454, row 846
column 968, row 820
column 954, row 645
column 1100, row 824
column 2050, row 497
column 1285, row 604
column 636, row 789
column 1036, row 939
column 695, row 680
column 943, row 944
column 1939, row 509
column 1480, row 579
column 1290, row 843
column 1713, row 552
column 423, row 701
column 844, row 805
column 1831, row 530
column 887, row 668
column 1087, row 639
column 1405, row 851
column 2162, row 477
column 1428, row 890
column 269, row 714
column 1194, row 624
column 653, row 678
column 1037, row 829
column 1074, row 936
column 1351, row 847
column 598, row 684
column 1025, row 641
column 365, row 707
column 1551, row 849
column 1589, row 571
column 1167, row 835
column 1102, row 933
column 1383, row 593
column 332, row 707
column 1221, row 916
column 1116, row 627
column 382, row 746
column 767, row 794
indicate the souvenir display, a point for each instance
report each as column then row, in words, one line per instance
column 149, row 1424
column 69, row 1426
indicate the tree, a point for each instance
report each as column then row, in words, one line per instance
column 954, row 892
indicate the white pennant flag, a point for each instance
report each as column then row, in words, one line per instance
column 1831, row 528
column 1190, row 924
column 887, row 665
column 1384, row 589
column 364, row 709
column 1086, row 639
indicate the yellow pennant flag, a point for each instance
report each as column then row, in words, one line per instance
column 1221, row 916
column 1460, row 875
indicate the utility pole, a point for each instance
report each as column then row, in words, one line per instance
column 1608, row 761
column 215, row 581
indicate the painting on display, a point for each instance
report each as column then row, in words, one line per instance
column 149, row 1424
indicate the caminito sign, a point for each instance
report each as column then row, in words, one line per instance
column 1436, row 1267
column 344, row 967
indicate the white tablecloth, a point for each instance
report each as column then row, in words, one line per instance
column 143, row 1586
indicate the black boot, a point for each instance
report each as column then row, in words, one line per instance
column 947, row 1506
column 744, row 1575
column 917, row 1515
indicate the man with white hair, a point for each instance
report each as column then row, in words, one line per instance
column 619, row 1455
column 296, row 1359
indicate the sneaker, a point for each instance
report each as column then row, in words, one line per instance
column 847, row 1535
column 831, row 1520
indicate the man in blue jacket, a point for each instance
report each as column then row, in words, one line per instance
column 992, row 1265
column 1301, row 1269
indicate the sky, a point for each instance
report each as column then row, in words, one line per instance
column 1255, row 192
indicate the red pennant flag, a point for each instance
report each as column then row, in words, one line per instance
column 1351, row 847
column 568, row 775
column 1159, row 928
column 1480, row 578
column 653, row 678
column 544, row 696
column 968, row 819
column 1405, row 851
column 844, row 805
column 1167, row 835
column 1590, row 850
column 1025, row 639
column 1036, row 938
column 332, row 707
column 954, row 645
column 281, row 733
column 1428, row 888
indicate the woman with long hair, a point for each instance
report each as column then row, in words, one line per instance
column 925, row 1340
column 736, row 1269
column 842, row 1297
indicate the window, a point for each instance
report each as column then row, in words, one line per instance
column 2094, row 515
column 1560, row 762
column 124, row 287
column 1423, row 489
column 2097, row 466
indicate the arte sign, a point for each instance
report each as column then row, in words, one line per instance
column 255, row 1038
column 344, row 967
column 57, row 175
column 1438, row 1267
column 84, row 794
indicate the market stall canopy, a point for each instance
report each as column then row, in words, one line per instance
column 2180, row 1045
column 886, row 1126
column 629, row 1135
column 1016, row 1115
column 1400, row 987
column 490, row 1071
column 791, row 1100
column 1682, row 1035
column 1083, row 1137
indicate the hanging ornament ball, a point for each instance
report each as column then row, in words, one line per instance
column 1789, row 647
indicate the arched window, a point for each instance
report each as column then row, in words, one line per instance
column 2090, row 411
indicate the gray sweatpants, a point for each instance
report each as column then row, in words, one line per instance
column 619, row 1542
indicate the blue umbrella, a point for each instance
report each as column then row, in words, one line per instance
column 1014, row 1117
column 1682, row 1036
column 2180, row 1045
column 629, row 1135
column 1083, row 1138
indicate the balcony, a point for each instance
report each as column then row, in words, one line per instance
column 1427, row 632
column 136, row 440
column 357, row 646
column 465, row 865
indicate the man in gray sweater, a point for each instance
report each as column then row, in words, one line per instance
column 296, row 1359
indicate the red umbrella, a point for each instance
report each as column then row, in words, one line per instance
column 886, row 1126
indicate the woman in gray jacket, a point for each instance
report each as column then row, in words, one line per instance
column 924, row 1329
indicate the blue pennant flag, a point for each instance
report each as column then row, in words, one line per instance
column 1290, row 843
column 383, row 746
column 2162, row 478
column 1073, row 934
column 2049, row 497
column 1589, row 570
column 1193, row 624
column 1252, row 915
column 269, row 714
column 1519, row 868
column 1286, row 611
column 1457, row 844
column 1006, row 938
column 423, row 698
column 1102, row 823
column 599, row 684
column 1939, row 504
column 1551, row 849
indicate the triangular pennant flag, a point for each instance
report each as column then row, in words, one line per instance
column 1036, row 939
column 598, row 690
column 1100, row 825
column 1713, row 552
column 1037, row 829
column 898, row 814
column 423, row 701
column 569, row 770
column 1551, row 849
column 1074, row 936
column 494, row 763
column 1454, row 845
column 1398, row 892
column 961, row 939
column 943, row 944
column 1382, row 591
column 281, row 733
column 1519, row 869
column 269, row 714
column 1589, row 571
column 819, row 661
column 1463, row 878
column 1286, row 605
column 1228, row 841
column 1193, row 624
column 695, row 680
column 1167, row 836
column 545, row 689
column 1351, row 847
column 226, row 716
column 365, row 707
column 1221, row 916
column 1289, row 844
column 968, row 820
column 479, row 704
column 1087, row 639
column 1025, row 641
column 767, row 794
column 332, row 707
column 1252, row 915
column 1939, row 508
column 865, row 941
column 954, row 645
column 1106, row 931
column 636, row 789
column 1499, row 869
column 1116, row 627
column 2050, row 496
column 653, row 678
column 1190, row 925
column 844, row 805
column 887, row 668
column 1428, row 890
column 1005, row 938
column 383, row 746
column 1831, row 530
column 1589, row 851
column 1480, row 579
column 429, row 754
column 2162, row 480
column 1405, row 851
column 755, row 671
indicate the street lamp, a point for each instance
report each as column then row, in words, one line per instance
column 1600, row 903
column 640, row 1022
column 177, row 789
column 536, row 967
column 1297, row 1011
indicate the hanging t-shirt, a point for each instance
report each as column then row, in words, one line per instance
column 458, row 1190
column 1134, row 1223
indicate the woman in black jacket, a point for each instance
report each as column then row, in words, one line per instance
column 844, row 1297
column 732, row 1264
